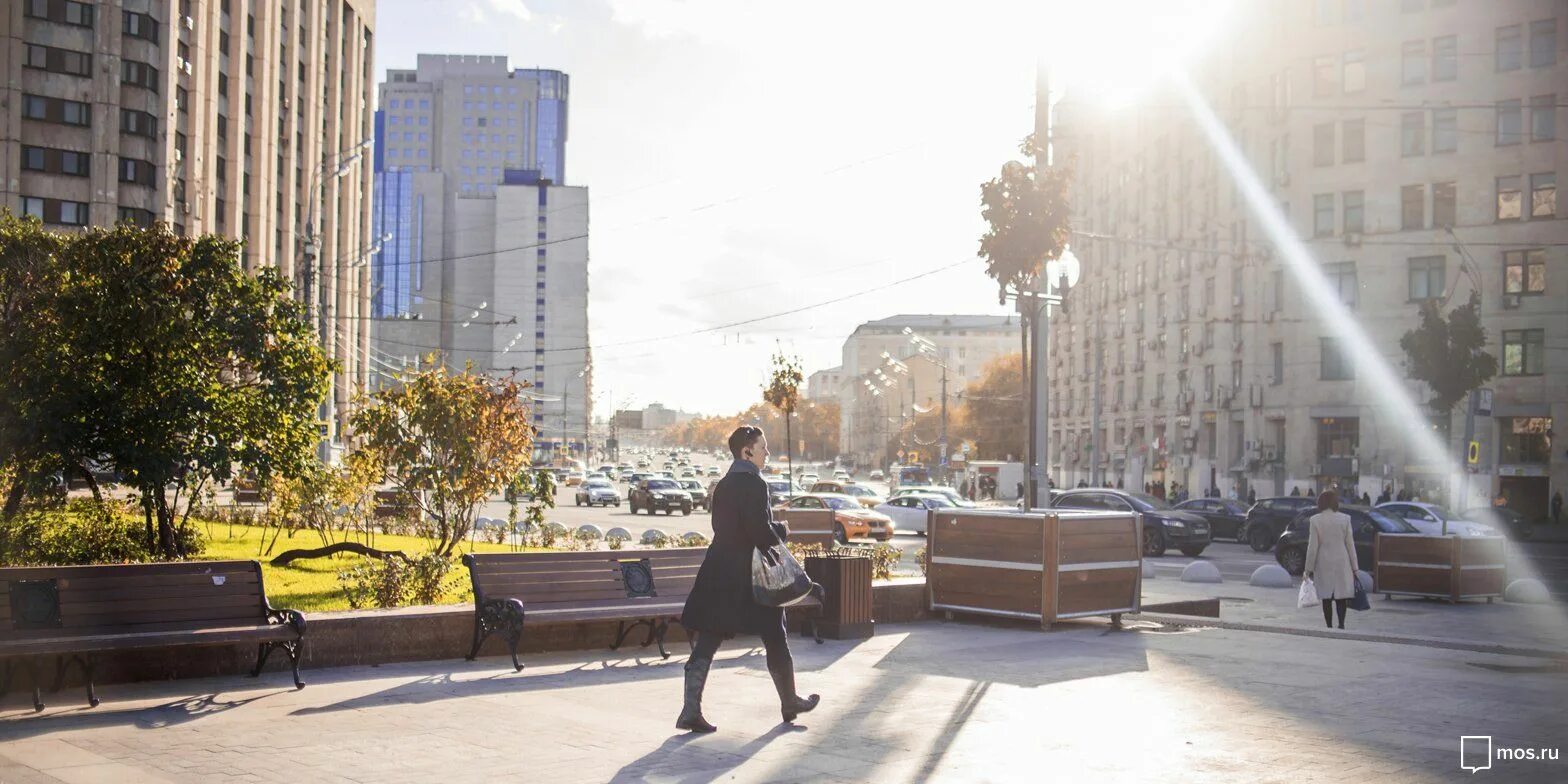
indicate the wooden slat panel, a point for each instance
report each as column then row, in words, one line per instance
column 1101, row 539
column 1019, row 525
column 999, row 589
column 602, row 574
column 1015, row 550
column 1478, row 551
column 152, row 592
column 1077, row 526
column 1097, row 576
column 51, row 641
column 192, row 582
column 1122, row 553
column 238, row 604
column 1474, row 582
column 1415, row 549
column 222, row 616
column 116, row 570
column 1396, row 579
column 1096, row 597
column 547, row 567
column 600, row 592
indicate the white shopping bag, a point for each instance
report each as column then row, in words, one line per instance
column 1308, row 597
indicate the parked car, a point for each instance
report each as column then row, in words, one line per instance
column 1429, row 519
column 574, row 478
column 1267, row 519
column 597, row 492
column 779, row 490
column 713, row 470
column 865, row 495
column 1227, row 518
column 950, row 493
column 659, row 494
column 1502, row 519
column 877, row 476
column 699, row 496
column 850, row 519
column 909, row 510
column 1163, row 526
column 1365, row 524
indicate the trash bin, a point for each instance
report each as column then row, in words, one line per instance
column 846, row 600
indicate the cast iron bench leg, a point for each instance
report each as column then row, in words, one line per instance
column 296, row 651
column 622, row 630
column 63, row 665
column 664, row 626
column 263, row 650
column 32, row 669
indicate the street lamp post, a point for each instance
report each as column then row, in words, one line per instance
column 926, row 350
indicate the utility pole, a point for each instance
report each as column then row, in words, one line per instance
column 1094, row 422
column 944, row 423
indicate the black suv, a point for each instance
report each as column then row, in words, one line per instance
column 1365, row 524
column 1267, row 519
column 1162, row 526
column 659, row 493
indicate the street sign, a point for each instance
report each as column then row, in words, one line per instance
column 1482, row 400
column 1473, row 454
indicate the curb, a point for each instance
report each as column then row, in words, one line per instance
column 1423, row 642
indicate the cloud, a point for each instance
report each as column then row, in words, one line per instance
column 512, row 8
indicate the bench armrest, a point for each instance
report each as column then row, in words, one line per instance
column 501, row 613
column 293, row 618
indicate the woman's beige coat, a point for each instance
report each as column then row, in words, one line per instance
column 1331, row 555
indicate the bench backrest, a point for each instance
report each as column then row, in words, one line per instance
column 60, row 601
column 808, row 526
column 584, row 579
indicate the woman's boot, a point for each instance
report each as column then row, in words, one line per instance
column 790, row 703
column 691, row 710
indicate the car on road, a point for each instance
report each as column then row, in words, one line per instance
column 1163, row 526
column 597, row 492
column 575, row 478
column 809, row 479
column 950, row 493
column 1365, row 524
column 865, row 495
column 850, row 519
column 877, row 475
column 699, row 496
column 1429, row 519
column 909, row 510
column 1267, row 519
column 608, row 470
column 779, row 490
column 713, row 470
column 659, row 494
column 1502, row 519
column 1227, row 517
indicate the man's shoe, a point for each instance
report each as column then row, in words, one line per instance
column 794, row 706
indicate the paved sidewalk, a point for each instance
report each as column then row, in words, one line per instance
column 934, row 701
column 1476, row 623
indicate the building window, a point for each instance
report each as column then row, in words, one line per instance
column 1543, row 118
column 136, row 217
column 1323, row 215
column 1338, row 437
column 135, row 171
column 1277, row 353
column 1509, row 48
column 1508, row 198
column 1355, row 211
column 74, row 213
column 1413, row 59
column 1524, row 352
column 1428, row 277
column 68, row 12
column 1412, row 134
column 1543, row 43
column 1525, row 440
column 1355, row 71
column 140, row 74
column 1412, row 207
column 33, row 207
column 1322, row 76
column 1353, row 141
column 140, row 26
column 66, row 61
column 1445, row 201
column 1445, row 130
column 1510, row 122
column 1323, row 144
column 1543, row 195
column 1445, row 58
column 1524, row 272
column 33, row 159
column 1333, row 365
column 1342, row 278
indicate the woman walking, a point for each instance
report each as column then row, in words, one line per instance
column 1331, row 557
column 720, row 604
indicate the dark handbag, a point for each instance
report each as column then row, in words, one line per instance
column 776, row 578
column 1360, row 602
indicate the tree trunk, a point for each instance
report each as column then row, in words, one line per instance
column 92, row 482
column 14, row 496
column 168, row 545
column 147, row 516
column 289, row 556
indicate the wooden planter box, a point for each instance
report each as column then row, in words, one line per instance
column 808, row 526
column 1044, row 566
column 1443, row 567
column 846, row 600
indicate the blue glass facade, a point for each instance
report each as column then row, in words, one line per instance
column 396, row 272
column 549, row 122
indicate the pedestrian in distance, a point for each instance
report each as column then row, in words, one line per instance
column 1404, row 494
column 720, row 605
column 1557, row 507
column 1366, row 500
column 1331, row 557
column 1252, row 495
column 1295, row 492
column 1020, row 489
column 963, row 488
column 1382, row 497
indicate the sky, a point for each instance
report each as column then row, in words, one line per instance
column 746, row 159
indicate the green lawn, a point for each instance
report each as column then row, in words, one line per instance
column 312, row 584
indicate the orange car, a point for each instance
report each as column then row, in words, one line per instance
column 865, row 495
column 850, row 519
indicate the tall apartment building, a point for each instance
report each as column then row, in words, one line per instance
column 236, row 117
column 876, row 397
column 483, row 257
column 1377, row 128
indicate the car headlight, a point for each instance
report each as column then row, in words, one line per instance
column 1175, row 524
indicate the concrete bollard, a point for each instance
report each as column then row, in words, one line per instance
column 1271, row 576
column 590, row 531
column 1526, row 591
column 653, row 535
column 1148, row 570
column 1201, row 572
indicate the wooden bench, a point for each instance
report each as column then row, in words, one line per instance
column 72, row 612
column 635, row 588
